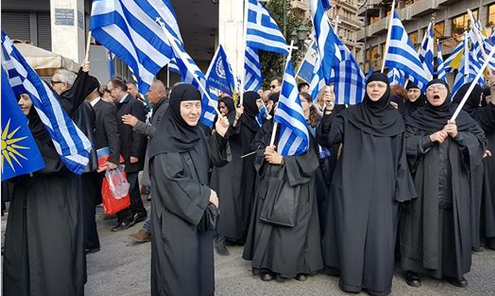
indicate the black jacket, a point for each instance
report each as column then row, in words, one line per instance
column 132, row 143
column 107, row 129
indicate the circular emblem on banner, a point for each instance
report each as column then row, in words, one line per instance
column 219, row 69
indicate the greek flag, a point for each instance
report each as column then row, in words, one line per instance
column 219, row 74
column 468, row 69
column 293, row 136
column 328, row 51
column 128, row 29
column 396, row 77
column 426, row 55
column 71, row 144
column 262, row 31
column 307, row 67
column 440, row 65
column 403, row 56
column 349, row 80
column 252, row 66
column 317, row 81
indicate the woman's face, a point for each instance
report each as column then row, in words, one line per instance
column 25, row 104
column 190, row 111
column 413, row 94
column 223, row 108
column 436, row 94
column 376, row 90
column 259, row 103
column 305, row 104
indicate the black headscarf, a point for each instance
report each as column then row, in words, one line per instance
column 420, row 101
column 433, row 118
column 377, row 118
column 173, row 134
column 274, row 97
column 486, row 93
column 474, row 99
column 230, row 106
column 251, row 110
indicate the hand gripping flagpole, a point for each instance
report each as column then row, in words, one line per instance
column 275, row 124
column 471, row 87
column 171, row 39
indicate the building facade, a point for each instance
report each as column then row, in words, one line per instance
column 450, row 20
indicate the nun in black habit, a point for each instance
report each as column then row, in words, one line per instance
column 180, row 156
column 234, row 182
column 284, row 235
column 416, row 99
column 44, row 239
column 482, row 199
column 370, row 180
column 435, row 233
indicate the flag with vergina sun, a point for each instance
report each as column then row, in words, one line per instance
column 19, row 153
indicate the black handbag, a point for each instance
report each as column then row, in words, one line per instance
column 280, row 204
column 210, row 218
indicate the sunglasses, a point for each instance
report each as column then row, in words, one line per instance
column 53, row 82
column 272, row 86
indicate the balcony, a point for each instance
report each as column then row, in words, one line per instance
column 423, row 7
column 354, row 23
column 361, row 34
column 371, row 5
column 378, row 27
column 351, row 5
column 447, row 2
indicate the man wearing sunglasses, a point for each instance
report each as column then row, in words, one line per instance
column 276, row 84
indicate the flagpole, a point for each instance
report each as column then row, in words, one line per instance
column 88, row 46
column 473, row 84
column 275, row 124
column 168, row 76
column 243, row 73
column 389, row 32
column 174, row 46
column 480, row 41
column 466, row 57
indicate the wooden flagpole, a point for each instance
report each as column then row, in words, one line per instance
column 389, row 32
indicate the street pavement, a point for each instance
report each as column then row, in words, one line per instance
column 122, row 268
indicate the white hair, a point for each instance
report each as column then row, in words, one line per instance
column 66, row 76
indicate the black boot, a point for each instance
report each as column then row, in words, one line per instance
column 220, row 247
column 412, row 279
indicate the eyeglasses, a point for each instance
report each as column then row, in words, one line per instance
column 436, row 87
column 273, row 86
column 414, row 90
column 53, row 82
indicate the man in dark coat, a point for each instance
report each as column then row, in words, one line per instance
column 155, row 96
column 133, row 148
column 106, row 135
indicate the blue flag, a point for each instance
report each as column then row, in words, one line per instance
column 20, row 155
column 219, row 74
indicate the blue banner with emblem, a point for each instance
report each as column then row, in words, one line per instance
column 219, row 74
column 19, row 153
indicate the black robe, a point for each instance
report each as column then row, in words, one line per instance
column 483, row 196
column 370, row 180
column 285, row 250
column 181, row 256
column 435, row 232
column 234, row 183
column 44, row 240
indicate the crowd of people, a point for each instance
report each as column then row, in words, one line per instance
column 391, row 182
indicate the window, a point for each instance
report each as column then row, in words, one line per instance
column 491, row 16
column 374, row 19
column 414, row 38
column 439, row 29
column 462, row 23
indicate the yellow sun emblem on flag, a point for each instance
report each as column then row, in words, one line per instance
column 10, row 150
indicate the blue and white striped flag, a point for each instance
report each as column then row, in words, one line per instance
column 71, row 144
column 328, row 51
column 440, row 65
column 403, row 56
column 396, row 77
column 426, row 55
column 262, row 31
column 128, row 29
column 293, row 136
column 468, row 68
column 317, row 81
column 252, row 67
column 349, row 80
column 454, row 59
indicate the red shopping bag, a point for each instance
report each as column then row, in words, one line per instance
column 111, row 203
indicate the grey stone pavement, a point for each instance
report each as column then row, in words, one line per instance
column 122, row 268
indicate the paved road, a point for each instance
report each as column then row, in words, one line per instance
column 123, row 268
